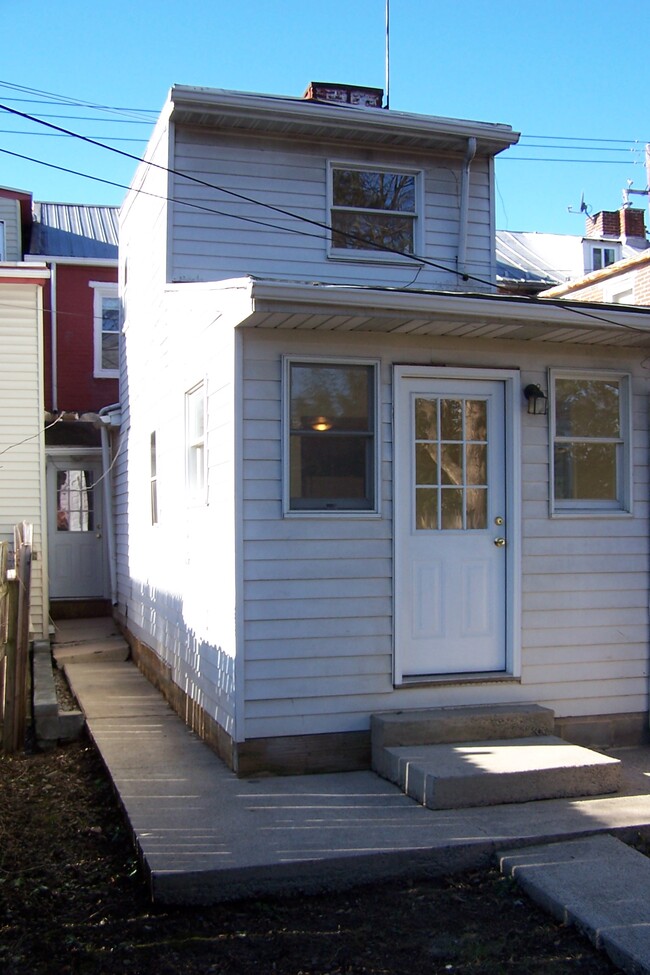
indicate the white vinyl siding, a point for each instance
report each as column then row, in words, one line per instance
column 22, row 460
column 318, row 597
column 10, row 230
column 215, row 244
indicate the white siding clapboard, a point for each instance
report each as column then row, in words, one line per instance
column 22, row 449
column 10, row 231
column 231, row 237
column 318, row 603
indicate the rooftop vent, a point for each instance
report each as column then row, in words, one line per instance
column 322, row 91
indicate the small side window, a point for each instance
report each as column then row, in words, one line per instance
column 602, row 257
column 331, row 437
column 106, row 317
column 195, row 448
column 591, row 442
column 154, row 480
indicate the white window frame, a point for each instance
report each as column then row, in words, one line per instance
column 3, row 241
column 102, row 290
column 601, row 247
column 619, row 290
column 196, row 447
column 372, row 255
column 153, row 477
column 622, row 505
column 339, row 513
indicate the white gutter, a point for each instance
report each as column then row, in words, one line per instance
column 85, row 261
column 464, row 207
column 110, row 418
column 450, row 305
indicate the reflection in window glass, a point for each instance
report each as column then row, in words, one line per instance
column 589, row 449
column 373, row 210
column 332, row 436
column 74, row 497
column 451, row 463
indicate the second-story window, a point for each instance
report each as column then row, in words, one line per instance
column 373, row 211
column 106, row 315
column 603, row 257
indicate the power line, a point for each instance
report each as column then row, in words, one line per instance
column 295, row 216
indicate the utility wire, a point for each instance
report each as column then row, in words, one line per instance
column 320, row 224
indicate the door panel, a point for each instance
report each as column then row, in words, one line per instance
column 75, row 529
column 450, row 514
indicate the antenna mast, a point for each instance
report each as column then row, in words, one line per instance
column 387, row 105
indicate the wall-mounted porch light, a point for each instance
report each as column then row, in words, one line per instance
column 537, row 400
column 321, row 423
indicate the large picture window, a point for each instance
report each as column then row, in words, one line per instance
column 591, row 442
column 331, row 436
column 373, row 211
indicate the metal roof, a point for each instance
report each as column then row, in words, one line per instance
column 74, row 230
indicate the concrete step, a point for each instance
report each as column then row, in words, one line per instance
column 596, row 883
column 440, row 725
column 487, row 773
column 114, row 648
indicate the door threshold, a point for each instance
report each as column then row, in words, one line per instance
column 489, row 677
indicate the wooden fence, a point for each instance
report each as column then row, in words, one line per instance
column 14, row 637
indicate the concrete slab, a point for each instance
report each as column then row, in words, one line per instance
column 600, row 885
column 484, row 773
column 434, row 726
column 84, row 630
column 206, row 836
column 110, row 648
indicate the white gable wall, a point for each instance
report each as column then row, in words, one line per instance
column 209, row 245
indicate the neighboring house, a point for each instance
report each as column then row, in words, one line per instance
column 626, row 282
column 79, row 372
column 22, row 446
column 338, row 492
column 528, row 263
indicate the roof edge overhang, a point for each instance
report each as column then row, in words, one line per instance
column 301, row 117
column 317, row 307
column 33, row 273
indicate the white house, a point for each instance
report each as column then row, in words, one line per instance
column 22, row 444
column 333, row 498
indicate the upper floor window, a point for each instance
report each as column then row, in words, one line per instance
column 591, row 442
column 331, row 442
column 106, row 317
column 373, row 212
column 195, row 448
column 602, row 257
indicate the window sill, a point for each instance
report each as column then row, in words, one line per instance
column 498, row 677
column 593, row 513
column 370, row 257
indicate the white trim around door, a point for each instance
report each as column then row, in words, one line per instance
column 457, row 524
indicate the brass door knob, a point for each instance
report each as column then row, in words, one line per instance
column 499, row 542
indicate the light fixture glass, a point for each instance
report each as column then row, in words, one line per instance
column 321, row 423
column 537, row 400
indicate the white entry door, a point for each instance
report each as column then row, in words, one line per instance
column 451, row 525
column 77, row 559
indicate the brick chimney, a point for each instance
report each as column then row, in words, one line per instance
column 603, row 224
column 621, row 224
column 632, row 222
column 322, row 91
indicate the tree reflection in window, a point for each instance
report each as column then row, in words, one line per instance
column 74, row 495
column 451, row 464
column 588, row 439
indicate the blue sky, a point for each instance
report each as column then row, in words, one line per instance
column 570, row 76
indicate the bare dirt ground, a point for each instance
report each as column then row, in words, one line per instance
column 72, row 902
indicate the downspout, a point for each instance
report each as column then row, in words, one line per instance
column 464, row 207
column 110, row 419
column 53, row 339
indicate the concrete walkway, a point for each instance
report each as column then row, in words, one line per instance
column 206, row 836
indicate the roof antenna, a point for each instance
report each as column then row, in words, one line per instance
column 387, row 105
column 584, row 207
